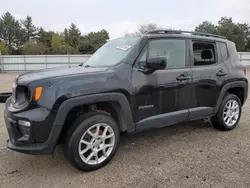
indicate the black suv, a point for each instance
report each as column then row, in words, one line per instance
column 130, row 84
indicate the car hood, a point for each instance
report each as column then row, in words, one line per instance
column 42, row 74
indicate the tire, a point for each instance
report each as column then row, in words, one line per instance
column 227, row 124
column 81, row 130
column 4, row 97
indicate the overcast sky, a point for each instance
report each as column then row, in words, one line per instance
column 118, row 16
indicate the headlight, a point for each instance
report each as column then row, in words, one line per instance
column 20, row 96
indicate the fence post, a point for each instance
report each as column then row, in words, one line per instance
column 1, row 62
column 46, row 61
column 24, row 60
column 69, row 60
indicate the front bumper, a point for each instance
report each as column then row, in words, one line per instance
column 33, row 142
column 36, row 148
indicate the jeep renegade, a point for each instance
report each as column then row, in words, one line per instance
column 130, row 84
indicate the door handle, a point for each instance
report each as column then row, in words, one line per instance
column 183, row 77
column 221, row 73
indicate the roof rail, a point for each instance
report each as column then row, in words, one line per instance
column 162, row 31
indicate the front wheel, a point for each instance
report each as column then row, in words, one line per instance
column 228, row 114
column 92, row 141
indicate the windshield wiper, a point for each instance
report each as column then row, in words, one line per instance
column 81, row 64
column 89, row 66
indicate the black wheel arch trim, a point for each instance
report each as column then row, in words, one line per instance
column 123, row 108
column 228, row 86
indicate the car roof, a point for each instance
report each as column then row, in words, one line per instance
column 185, row 34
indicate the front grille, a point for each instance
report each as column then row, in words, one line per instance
column 14, row 86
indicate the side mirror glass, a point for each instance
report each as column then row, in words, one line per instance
column 157, row 63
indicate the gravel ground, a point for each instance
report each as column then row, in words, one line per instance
column 187, row 155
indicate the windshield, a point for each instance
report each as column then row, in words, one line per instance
column 112, row 52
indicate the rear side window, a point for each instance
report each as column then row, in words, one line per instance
column 204, row 53
column 233, row 52
column 224, row 51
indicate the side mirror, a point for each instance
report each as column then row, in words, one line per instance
column 157, row 63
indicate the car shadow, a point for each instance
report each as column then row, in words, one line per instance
column 16, row 163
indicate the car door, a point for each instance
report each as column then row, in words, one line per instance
column 162, row 98
column 209, row 73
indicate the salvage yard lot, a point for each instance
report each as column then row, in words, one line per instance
column 188, row 155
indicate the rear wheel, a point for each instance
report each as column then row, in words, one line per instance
column 228, row 114
column 92, row 141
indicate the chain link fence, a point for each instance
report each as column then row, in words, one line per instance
column 244, row 58
column 21, row 63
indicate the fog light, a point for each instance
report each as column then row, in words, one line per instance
column 24, row 130
column 24, row 123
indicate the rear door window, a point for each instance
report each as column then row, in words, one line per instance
column 204, row 53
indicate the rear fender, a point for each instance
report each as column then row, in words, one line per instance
column 226, row 87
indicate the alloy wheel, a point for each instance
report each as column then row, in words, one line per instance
column 96, row 144
column 231, row 112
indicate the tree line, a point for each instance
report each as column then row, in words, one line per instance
column 239, row 33
column 23, row 37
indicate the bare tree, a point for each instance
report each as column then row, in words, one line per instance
column 142, row 29
column 126, row 34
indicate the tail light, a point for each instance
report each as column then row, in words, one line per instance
column 245, row 70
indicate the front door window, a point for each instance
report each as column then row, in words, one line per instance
column 172, row 49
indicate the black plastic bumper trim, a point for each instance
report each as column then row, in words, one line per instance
column 38, row 149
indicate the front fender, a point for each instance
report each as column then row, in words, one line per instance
column 124, row 110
